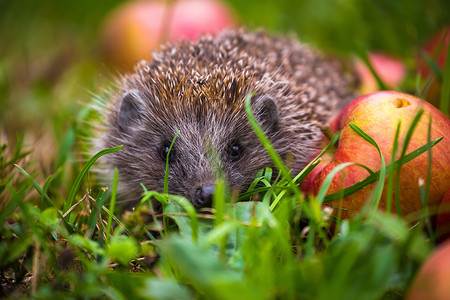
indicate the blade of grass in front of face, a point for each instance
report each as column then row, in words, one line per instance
column 166, row 183
column 219, row 212
column 147, row 198
column 267, row 145
column 379, row 188
column 406, row 141
column 445, row 92
column 255, row 182
column 76, row 185
column 166, row 174
column 277, row 199
column 112, row 204
column 219, row 202
column 390, row 173
column 306, row 170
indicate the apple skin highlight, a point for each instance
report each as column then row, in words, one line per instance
column 378, row 115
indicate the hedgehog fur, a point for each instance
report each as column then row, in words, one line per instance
column 198, row 88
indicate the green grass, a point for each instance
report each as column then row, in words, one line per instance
column 62, row 235
column 243, row 250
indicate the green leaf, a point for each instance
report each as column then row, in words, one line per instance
column 205, row 272
column 49, row 217
column 123, row 249
column 185, row 225
column 86, row 244
column 162, row 289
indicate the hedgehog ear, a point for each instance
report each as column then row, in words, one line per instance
column 266, row 113
column 130, row 111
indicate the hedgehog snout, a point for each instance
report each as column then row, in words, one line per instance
column 204, row 195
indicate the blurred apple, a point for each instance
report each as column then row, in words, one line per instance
column 136, row 28
column 436, row 48
column 390, row 70
column 378, row 115
column 432, row 280
column 443, row 219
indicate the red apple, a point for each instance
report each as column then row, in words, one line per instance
column 436, row 48
column 432, row 282
column 136, row 28
column 443, row 219
column 391, row 71
column 378, row 115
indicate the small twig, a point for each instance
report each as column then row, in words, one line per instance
column 75, row 205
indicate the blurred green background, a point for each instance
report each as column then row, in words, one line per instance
column 50, row 64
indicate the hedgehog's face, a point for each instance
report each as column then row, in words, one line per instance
column 211, row 144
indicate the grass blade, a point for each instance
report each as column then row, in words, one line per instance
column 83, row 172
column 190, row 210
column 408, row 136
column 276, row 159
column 96, row 212
column 390, row 173
column 112, row 204
column 379, row 189
column 326, row 183
column 374, row 177
column 36, row 186
column 424, row 193
column 166, row 174
column 300, row 176
column 362, row 53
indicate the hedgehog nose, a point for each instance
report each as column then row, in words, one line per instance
column 203, row 195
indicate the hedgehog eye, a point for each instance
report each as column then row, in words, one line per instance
column 235, row 151
column 165, row 150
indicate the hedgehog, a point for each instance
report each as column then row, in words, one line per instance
column 198, row 88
